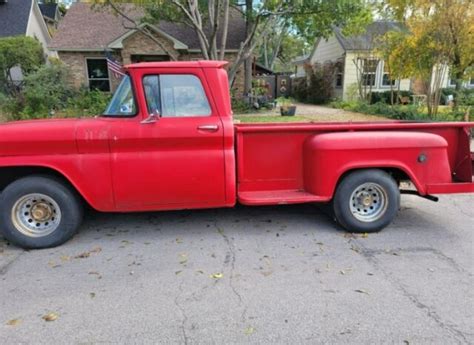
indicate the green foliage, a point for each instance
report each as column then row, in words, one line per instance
column 315, row 18
column 386, row 96
column 87, row 103
column 47, row 93
column 285, row 101
column 400, row 112
column 318, row 89
column 22, row 51
column 46, row 90
column 465, row 96
column 239, row 104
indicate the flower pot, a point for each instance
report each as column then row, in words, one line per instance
column 288, row 111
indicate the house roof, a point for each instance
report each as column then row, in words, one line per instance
column 84, row 28
column 365, row 41
column 301, row 59
column 14, row 16
column 49, row 10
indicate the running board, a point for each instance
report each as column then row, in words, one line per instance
column 278, row 197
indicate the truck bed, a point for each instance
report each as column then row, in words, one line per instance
column 272, row 159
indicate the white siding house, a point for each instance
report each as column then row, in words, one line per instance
column 356, row 61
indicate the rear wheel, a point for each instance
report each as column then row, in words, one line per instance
column 366, row 201
column 39, row 212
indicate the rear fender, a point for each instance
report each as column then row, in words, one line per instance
column 421, row 156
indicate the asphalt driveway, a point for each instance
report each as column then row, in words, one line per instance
column 247, row 275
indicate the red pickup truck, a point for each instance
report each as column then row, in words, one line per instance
column 167, row 141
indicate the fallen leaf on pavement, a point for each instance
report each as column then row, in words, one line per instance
column 362, row 291
column 364, row 235
column 178, row 240
column 50, row 317
column 65, row 258
column 183, row 258
column 200, row 271
column 87, row 254
column 216, row 275
column 13, row 322
column 249, row 330
column 177, row 272
column 92, row 294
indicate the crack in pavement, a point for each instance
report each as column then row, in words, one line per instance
column 4, row 269
column 439, row 254
column 231, row 248
column 370, row 256
column 183, row 313
column 455, row 203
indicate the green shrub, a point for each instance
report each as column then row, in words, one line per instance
column 239, row 104
column 87, row 102
column 46, row 91
column 400, row 112
column 22, row 51
column 319, row 87
column 465, row 96
column 386, row 96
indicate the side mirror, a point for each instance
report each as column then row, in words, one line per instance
column 152, row 118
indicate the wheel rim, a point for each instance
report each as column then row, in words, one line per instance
column 368, row 202
column 36, row 215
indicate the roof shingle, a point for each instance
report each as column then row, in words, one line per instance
column 84, row 28
column 366, row 40
column 48, row 10
column 14, row 17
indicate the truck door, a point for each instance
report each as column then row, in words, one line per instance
column 171, row 155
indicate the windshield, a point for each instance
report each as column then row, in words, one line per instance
column 123, row 102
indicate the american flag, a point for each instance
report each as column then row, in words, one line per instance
column 114, row 66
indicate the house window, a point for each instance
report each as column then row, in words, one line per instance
column 471, row 82
column 369, row 70
column 339, row 75
column 176, row 95
column 452, row 81
column 386, row 80
column 98, row 74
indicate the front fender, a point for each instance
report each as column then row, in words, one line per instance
column 327, row 157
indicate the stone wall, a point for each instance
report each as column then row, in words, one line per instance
column 139, row 44
column 77, row 66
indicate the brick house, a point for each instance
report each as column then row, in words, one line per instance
column 85, row 34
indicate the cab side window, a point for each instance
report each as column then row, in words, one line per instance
column 176, row 95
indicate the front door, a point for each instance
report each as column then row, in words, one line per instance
column 176, row 160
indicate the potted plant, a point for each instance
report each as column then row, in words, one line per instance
column 287, row 106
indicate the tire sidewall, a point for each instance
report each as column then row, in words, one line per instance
column 346, row 188
column 71, row 211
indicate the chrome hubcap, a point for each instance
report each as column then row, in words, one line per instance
column 368, row 202
column 36, row 215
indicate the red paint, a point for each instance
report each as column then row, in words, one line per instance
column 120, row 164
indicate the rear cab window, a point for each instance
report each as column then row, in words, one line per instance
column 176, row 95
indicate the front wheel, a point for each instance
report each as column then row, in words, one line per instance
column 39, row 212
column 366, row 201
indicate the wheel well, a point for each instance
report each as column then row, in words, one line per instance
column 11, row 174
column 398, row 174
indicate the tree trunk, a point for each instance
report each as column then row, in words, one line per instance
column 249, row 26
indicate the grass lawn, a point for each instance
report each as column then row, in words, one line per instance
column 266, row 118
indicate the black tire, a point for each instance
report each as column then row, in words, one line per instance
column 375, row 204
column 21, row 193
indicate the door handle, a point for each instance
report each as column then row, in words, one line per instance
column 208, row 128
